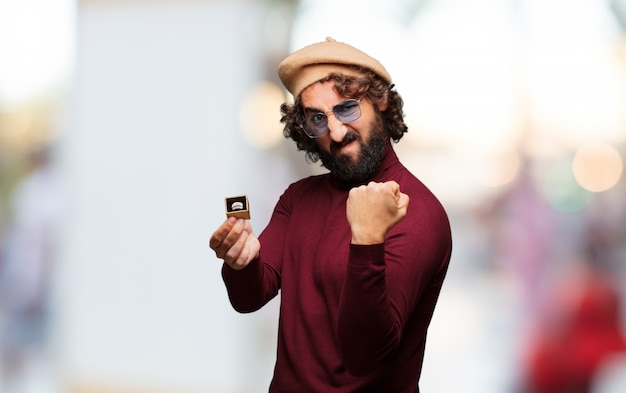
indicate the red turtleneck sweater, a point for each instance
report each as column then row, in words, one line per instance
column 353, row 318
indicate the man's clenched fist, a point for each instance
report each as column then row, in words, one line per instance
column 374, row 209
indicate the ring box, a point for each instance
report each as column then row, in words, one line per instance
column 238, row 207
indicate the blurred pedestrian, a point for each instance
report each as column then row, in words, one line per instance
column 26, row 266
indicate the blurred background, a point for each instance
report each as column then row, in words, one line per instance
column 125, row 123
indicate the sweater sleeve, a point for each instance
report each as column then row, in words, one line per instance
column 252, row 287
column 366, row 328
column 385, row 285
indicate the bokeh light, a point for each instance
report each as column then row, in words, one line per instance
column 562, row 190
column 499, row 168
column 259, row 116
column 597, row 166
column 36, row 47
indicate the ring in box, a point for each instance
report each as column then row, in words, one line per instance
column 238, row 207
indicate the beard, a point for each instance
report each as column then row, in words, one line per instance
column 369, row 158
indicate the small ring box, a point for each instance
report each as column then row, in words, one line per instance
column 238, row 207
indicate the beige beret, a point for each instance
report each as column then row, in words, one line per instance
column 315, row 62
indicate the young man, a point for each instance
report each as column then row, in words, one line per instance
column 359, row 254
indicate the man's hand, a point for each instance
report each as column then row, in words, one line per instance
column 374, row 209
column 235, row 243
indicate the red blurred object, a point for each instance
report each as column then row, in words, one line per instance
column 583, row 331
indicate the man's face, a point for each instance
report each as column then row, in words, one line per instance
column 351, row 151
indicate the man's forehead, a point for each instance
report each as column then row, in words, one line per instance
column 318, row 91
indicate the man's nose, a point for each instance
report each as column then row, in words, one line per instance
column 336, row 129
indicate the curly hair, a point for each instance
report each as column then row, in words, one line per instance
column 367, row 84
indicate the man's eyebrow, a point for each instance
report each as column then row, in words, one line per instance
column 310, row 109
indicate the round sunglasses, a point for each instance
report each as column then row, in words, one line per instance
column 316, row 123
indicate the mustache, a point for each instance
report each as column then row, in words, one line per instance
column 350, row 136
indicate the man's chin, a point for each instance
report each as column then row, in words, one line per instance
column 349, row 153
column 347, row 159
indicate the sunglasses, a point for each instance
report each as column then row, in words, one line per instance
column 316, row 124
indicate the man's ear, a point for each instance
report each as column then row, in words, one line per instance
column 384, row 103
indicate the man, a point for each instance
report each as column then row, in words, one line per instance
column 359, row 267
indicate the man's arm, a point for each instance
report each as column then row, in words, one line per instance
column 252, row 278
column 386, row 281
column 372, row 211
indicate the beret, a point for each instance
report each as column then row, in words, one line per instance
column 315, row 62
